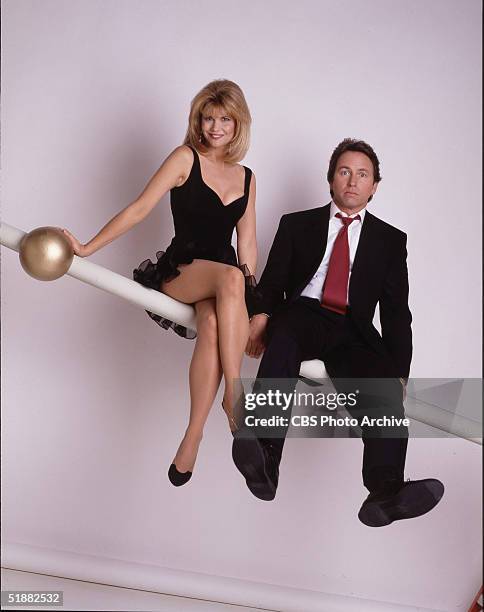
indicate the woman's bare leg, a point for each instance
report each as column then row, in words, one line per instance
column 205, row 376
column 203, row 279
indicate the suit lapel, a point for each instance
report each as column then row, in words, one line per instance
column 366, row 245
column 316, row 238
column 318, row 243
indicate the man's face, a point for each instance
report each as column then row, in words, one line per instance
column 353, row 181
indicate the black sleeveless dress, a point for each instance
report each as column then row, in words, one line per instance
column 203, row 230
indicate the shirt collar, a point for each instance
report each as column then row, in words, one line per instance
column 334, row 209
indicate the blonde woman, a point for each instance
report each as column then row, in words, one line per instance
column 211, row 194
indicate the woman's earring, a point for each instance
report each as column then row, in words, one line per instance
column 200, row 137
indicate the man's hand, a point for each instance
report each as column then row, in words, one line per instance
column 257, row 332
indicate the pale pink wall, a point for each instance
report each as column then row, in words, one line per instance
column 94, row 96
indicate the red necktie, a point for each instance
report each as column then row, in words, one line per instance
column 335, row 290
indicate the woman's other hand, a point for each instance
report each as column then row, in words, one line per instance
column 257, row 332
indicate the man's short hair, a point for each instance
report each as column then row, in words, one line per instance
column 352, row 144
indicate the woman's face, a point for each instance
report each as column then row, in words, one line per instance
column 218, row 128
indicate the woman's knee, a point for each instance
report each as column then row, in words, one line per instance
column 231, row 281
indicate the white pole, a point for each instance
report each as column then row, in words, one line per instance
column 105, row 279
column 161, row 304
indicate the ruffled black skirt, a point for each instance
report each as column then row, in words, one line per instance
column 165, row 268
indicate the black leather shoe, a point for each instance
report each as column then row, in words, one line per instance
column 257, row 464
column 178, row 478
column 403, row 501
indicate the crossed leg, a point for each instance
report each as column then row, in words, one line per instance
column 204, row 376
column 217, row 291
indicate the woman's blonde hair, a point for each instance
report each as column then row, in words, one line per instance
column 227, row 95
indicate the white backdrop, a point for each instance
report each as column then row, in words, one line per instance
column 95, row 397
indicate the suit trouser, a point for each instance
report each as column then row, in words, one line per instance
column 304, row 330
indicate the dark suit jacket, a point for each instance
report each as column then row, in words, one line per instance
column 379, row 275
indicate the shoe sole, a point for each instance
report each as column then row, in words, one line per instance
column 410, row 502
column 249, row 459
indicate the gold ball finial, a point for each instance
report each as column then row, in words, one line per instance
column 46, row 253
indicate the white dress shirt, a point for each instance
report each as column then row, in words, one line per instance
column 314, row 288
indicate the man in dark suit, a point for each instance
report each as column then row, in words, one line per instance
column 327, row 270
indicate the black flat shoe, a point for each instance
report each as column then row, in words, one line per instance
column 411, row 499
column 256, row 464
column 178, row 478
